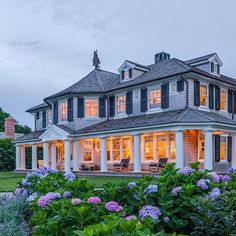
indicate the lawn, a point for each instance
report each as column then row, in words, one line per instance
column 8, row 180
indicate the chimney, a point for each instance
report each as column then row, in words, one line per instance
column 162, row 56
column 10, row 127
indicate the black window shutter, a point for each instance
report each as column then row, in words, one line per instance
column 80, row 107
column 217, row 98
column 218, row 68
column 44, row 119
column 211, row 96
column 37, row 115
column 196, row 93
column 122, row 75
column 70, row 109
column 217, row 148
column 230, row 100
column 229, row 149
column 129, row 102
column 112, row 106
column 212, row 66
column 180, row 85
column 164, row 96
column 130, row 73
column 143, row 99
column 55, row 112
column 102, row 107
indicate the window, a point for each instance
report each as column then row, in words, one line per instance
column 223, row 100
column 87, row 150
column 126, row 148
column 203, row 95
column 173, row 87
column 63, row 110
column 116, row 149
column 223, row 148
column 120, row 104
column 91, row 107
column 148, row 148
column 108, row 149
column 161, row 146
column 172, row 147
column 49, row 114
column 126, row 74
column 154, row 98
column 201, row 146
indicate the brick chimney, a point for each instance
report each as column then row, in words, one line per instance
column 10, row 127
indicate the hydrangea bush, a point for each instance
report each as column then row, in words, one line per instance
column 175, row 202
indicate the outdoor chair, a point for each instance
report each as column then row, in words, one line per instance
column 124, row 164
column 159, row 165
column 40, row 163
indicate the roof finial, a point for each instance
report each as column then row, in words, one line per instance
column 96, row 61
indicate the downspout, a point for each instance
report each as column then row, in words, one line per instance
column 187, row 85
column 107, row 107
column 233, row 95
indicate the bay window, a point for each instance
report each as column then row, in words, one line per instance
column 116, row 149
column 148, row 148
column 223, row 148
column 91, row 107
column 63, row 110
column 223, row 100
column 120, row 104
column 161, row 146
column 154, row 98
column 126, row 148
column 88, row 150
column 203, row 95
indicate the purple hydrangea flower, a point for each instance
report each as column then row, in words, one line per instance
column 166, row 219
column 214, row 176
column 69, row 176
column 225, row 178
column 94, row 200
column 215, row 193
column 113, row 206
column 176, row 190
column 32, row 197
column 202, row 184
column 132, row 184
column 56, row 196
column 21, row 192
column 185, row 170
column 76, row 201
column 131, row 217
column 40, row 172
column 44, row 201
column 148, row 210
column 67, row 194
column 25, row 183
column 151, row 189
column 230, row 170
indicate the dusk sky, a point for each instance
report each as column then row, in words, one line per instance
column 47, row 45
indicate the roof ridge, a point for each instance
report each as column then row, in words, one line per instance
column 209, row 118
column 182, row 113
column 182, row 63
column 98, row 80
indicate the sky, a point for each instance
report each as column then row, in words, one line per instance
column 47, row 45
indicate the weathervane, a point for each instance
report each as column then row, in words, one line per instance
column 96, row 61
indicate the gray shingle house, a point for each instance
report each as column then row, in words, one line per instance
column 180, row 110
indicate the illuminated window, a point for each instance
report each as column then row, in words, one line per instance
column 49, row 113
column 172, row 147
column 148, row 148
column 173, row 87
column 161, row 146
column 154, row 98
column 203, row 95
column 116, row 149
column 126, row 74
column 108, row 149
column 91, row 107
column 223, row 100
column 201, row 146
column 63, row 110
column 126, row 148
column 223, row 148
column 87, row 150
column 120, row 104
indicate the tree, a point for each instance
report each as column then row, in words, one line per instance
column 7, row 154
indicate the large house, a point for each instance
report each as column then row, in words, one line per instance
column 175, row 109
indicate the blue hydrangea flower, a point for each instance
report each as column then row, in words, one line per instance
column 186, row 170
column 225, row 178
column 176, row 190
column 32, row 197
column 67, row 194
column 214, row 194
column 214, row 176
column 202, row 184
column 148, row 210
column 166, row 219
column 132, row 184
column 230, row 170
column 69, row 176
column 150, row 189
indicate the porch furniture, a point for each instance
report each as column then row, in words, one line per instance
column 159, row 165
column 124, row 164
column 40, row 163
column 87, row 167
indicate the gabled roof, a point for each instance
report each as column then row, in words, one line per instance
column 38, row 107
column 199, row 59
column 30, row 136
column 134, row 64
column 95, row 82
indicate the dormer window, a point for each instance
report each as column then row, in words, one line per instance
column 127, row 74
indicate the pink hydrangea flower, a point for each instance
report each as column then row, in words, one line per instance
column 76, row 201
column 94, row 200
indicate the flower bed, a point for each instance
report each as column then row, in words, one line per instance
column 185, row 201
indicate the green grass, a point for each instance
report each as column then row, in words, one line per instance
column 8, row 180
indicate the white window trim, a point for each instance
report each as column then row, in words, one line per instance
column 150, row 110
column 59, row 113
column 90, row 117
column 171, row 84
column 123, row 114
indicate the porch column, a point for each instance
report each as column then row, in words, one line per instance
column 34, row 156
column 45, row 154
column 168, row 145
column 179, row 149
column 67, row 155
column 137, row 153
column 18, row 165
column 103, row 157
column 234, row 151
column 53, row 156
column 208, row 162
column 76, row 161
column 155, row 154
column 22, row 159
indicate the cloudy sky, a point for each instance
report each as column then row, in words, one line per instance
column 47, row 45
